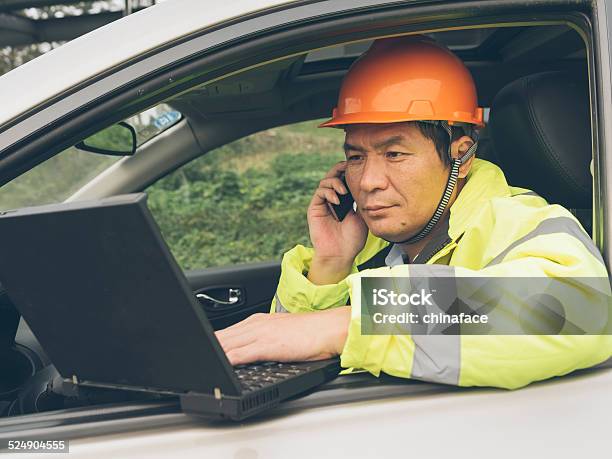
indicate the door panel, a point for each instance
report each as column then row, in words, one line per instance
column 256, row 281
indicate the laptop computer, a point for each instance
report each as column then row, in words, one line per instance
column 101, row 291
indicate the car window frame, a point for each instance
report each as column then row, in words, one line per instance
column 600, row 65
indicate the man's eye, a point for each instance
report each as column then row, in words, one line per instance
column 354, row 157
column 395, row 154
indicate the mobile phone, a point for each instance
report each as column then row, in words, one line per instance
column 339, row 211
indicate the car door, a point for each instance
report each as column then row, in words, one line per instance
column 232, row 294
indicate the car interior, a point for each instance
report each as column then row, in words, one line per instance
column 527, row 77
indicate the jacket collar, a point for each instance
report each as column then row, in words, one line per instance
column 484, row 181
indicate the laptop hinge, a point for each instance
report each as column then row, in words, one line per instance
column 74, row 383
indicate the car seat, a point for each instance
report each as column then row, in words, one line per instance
column 540, row 128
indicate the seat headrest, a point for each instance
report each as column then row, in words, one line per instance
column 540, row 127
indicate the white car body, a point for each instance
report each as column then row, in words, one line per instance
column 112, row 45
column 563, row 417
column 559, row 419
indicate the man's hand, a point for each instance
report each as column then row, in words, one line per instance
column 336, row 244
column 286, row 337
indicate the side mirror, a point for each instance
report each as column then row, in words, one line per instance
column 116, row 140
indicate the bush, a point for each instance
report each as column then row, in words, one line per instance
column 244, row 202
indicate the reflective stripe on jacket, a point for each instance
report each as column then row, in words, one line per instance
column 493, row 230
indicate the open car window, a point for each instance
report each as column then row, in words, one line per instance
column 245, row 201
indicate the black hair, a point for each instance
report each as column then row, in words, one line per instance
column 439, row 136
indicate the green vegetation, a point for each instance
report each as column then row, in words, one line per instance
column 65, row 173
column 116, row 138
column 54, row 180
column 245, row 201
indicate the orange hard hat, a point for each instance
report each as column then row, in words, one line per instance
column 407, row 78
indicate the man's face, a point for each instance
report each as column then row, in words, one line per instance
column 396, row 177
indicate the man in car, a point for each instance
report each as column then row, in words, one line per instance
column 425, row 207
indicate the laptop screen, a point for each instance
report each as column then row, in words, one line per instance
column 101, row 291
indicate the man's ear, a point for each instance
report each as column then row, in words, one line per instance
column 459, row 148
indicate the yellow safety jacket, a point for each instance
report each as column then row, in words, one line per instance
column 493, row 230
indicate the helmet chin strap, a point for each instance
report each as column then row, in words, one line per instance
column 450, row 185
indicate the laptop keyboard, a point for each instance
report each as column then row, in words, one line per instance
column 259, row 375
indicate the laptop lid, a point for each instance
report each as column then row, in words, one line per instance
column 101, row 291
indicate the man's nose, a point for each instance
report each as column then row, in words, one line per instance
column 373, row 175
